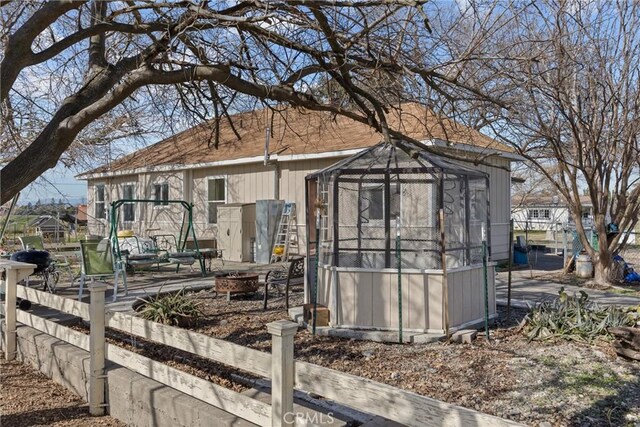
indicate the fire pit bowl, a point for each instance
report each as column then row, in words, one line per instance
column 241, row 283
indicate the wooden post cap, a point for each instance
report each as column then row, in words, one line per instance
column 97, row 287
column 282, row 328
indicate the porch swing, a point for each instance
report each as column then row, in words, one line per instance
column 166, row 249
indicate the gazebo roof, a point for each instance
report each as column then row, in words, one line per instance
column 398, row 157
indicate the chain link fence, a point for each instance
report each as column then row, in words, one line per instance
column 562, row 239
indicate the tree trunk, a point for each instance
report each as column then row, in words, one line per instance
column 602, row 272
column 602, row 265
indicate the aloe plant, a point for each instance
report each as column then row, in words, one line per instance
column 575, row 318
column 170, row 309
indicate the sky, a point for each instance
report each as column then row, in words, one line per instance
column 57, row 183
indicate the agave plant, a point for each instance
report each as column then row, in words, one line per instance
column 171, row 309
column 575, row 318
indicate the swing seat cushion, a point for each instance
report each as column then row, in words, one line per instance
column 183, row 260
column 141, row 257
column 188, row 254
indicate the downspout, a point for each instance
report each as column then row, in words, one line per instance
column 268, row 161
column 276, row 180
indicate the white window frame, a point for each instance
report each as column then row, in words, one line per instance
column 379, row 222
column 324, row 216
column 103, row 201
column 217, row 202
column 132, row 204
column 543, row 214
column 161, row 202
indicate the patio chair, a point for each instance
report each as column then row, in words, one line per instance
column 31, row 242
column 98, row 262
column 287, row 277
column 51, row 275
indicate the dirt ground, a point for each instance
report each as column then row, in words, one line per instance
column 563, row 383
column 28, row 398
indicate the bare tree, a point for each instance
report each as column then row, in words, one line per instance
column 103, row 63
column 527, row 186
column 575, row 110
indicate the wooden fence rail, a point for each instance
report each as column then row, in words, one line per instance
column 390, row 402
column 235, row 403
column 244, row 358
column 65, row 305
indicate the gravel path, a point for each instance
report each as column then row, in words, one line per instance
column 28, row 398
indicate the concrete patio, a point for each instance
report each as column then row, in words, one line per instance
column 143, row 283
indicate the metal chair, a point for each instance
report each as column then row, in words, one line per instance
column 97, row 262
column 291, row 276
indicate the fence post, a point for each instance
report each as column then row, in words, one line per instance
column 564, row 248
column 282, row 371
column 96, row 347
column 10, row 289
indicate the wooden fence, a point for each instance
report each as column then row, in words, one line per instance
column 285, row 373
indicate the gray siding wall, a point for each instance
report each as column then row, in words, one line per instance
column 250, row 182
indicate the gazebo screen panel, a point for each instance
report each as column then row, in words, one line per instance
column 368, row 197
column 478, row 217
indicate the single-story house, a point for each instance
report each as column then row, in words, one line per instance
column 264, row 155
column 546, row 212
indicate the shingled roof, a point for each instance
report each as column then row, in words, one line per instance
column 293, row 131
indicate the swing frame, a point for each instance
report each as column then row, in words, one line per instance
column 182, row 237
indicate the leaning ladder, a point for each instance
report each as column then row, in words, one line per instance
column 286, row 241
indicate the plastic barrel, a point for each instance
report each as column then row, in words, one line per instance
column 584, row 266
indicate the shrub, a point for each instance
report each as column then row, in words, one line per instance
column 171, row 309
column 574, row 318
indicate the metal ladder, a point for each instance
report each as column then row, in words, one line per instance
column 286, row 240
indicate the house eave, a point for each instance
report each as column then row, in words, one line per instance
column 281, row 158
column 241, row 161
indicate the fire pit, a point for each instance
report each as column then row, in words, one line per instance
column 241, row 283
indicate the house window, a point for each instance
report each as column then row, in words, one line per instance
column 539, row 214
column 478, row 204
column 128, row 193
column 161, row 194
column 216, row 195
column 99, row 206
column 372, row 203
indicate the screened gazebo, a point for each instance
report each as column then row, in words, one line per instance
column 399, row 205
